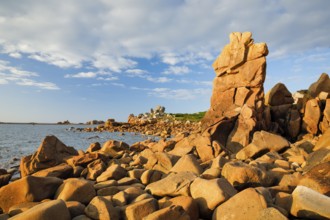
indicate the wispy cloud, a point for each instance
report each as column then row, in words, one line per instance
column 11, row 74
column 176, row 70
column 82, row 75
column 178, row 94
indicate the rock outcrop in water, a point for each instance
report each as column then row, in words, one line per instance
column 241, row 166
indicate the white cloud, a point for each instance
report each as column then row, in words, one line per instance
column 179, row 94
column 110, row 34
column 20, row 77
column 158, row 79
column 42, row 85
column 136, row 72
column 81, row 75
column 111, row 78
column 3, row 82
column 176, row 70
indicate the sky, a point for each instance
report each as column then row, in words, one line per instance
column 81, row 60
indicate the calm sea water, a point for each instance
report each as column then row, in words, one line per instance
column 17, row 140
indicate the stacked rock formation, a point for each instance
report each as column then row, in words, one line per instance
column 237, row 99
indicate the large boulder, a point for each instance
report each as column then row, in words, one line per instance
column 318, row 178
column 262, row 143
column 278, row 95
column 187, row 163
column 102, row 208
column 28, row 189
column 50, row 153
column 307, row 203
column 210, row 193
column 312, row 116
column 321, row 85
column 114, row 148
column 73, row 189
column 242, row 175
column 187, row 203
column 175, row 184
column 62, row 171
column 140, row 209
column 55, row 210
column 171, row 212
column 247, row 204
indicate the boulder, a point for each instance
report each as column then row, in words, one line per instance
column 210, row 193
column 175, row 184
column 187, row 163
column 318, row 178
column 278, row 95
column 307, row 203
column 84, row 159
column 94, row 169
column 114, row 148
column 75, row 208
column 321, row 85
column 317, row 157
column 55, row 209
column 73, row 189
column 150, row 176
column 28, row 189
column 62, row 171
column 187, row 203
column 114, row 171
column 93, row 147
column 323, row 142
column 50, row 153
column 241, row 175
column 262, row 142
column 141, row 209
column 247, row 204
column 271, row 214
column 312, row 116
column 81, row 217
column 171, row 212
column 22, row 207
column 101, row 208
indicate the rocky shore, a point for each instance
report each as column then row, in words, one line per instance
column 156, row 123
column 253, row 156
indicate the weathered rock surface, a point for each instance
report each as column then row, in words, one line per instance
column 247, row 204
column 55, row 209
column 102, row 208
column 322, row 84
column 307, row 203
column 28, row 189
column 62, row 171
column 73, row 189
column 262, row 142
column 50, row 153
column 318, row 178
column 141, row 209
column 187, row 163
column 210, row 193
column 240, row 72
column 172, row 185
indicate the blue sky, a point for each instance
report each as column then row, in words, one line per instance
column 82, row 60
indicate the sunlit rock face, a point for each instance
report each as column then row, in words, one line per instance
column 238, row 94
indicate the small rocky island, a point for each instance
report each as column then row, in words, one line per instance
column 253, row 156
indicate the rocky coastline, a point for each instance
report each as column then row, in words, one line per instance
column 253, row 156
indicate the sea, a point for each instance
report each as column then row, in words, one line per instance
column 17, row 140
